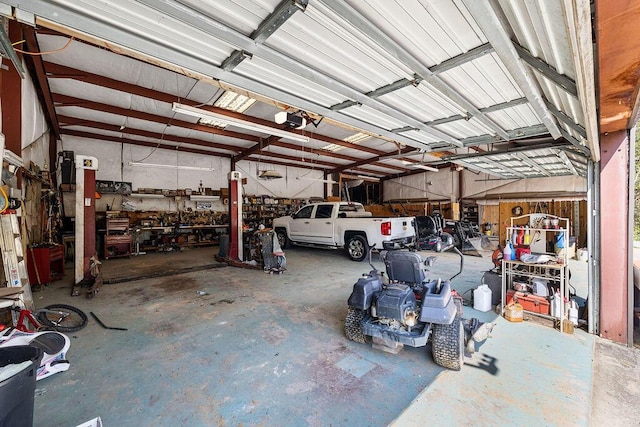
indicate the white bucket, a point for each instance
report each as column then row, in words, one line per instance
column 482, row 298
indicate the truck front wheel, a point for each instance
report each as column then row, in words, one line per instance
column 281, row 233
column 356, row 247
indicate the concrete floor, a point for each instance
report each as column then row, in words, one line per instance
column 262, row 349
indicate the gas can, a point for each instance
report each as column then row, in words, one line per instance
column 514, row 313
column 482, row 298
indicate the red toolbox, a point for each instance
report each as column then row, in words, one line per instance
column 528, row 301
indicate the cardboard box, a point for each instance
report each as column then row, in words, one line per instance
column 528, row 301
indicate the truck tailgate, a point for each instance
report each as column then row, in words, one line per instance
column 401, row 227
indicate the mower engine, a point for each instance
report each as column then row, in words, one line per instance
column 396, row 307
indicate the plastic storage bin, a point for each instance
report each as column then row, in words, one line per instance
column 18, row 369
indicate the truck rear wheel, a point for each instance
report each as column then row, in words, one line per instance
column 356, row 247
column 353, row 325
column 281, row 233
column 447, row 345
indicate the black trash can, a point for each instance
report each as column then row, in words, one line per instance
column 18, row 369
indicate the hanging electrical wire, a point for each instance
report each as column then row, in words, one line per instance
column 40, row 53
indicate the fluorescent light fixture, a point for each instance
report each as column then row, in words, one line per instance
column 232, row 121
column 333, row 147
column 179, row 167
column 362, row 177
column 356, row 138
column 425, row 167
column 234, row 102
column 420, row 166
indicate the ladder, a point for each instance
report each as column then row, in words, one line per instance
column 13, row 260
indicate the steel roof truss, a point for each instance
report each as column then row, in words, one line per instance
column 390, row 45
column 566, row 83
column 528, row 161
column 514, row 134
column 577, row 144
column 170, row 54
column 463, row 58
column 474, row 166
column 566, row 119
column 489, row 109
column 563, row 156
column 229, row 35
column 279, row 16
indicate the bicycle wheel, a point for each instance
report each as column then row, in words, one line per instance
column 63, row 317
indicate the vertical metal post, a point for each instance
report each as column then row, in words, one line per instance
column 631, row 185
column 593, row 246
column 85, row 221
column 235, row 216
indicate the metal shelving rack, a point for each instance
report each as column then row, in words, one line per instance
column 540, row 227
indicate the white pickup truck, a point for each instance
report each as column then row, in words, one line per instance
column 344, row 225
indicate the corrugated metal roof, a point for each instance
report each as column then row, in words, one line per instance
column 428, row 75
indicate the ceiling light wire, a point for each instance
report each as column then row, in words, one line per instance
column 166, row 126
column 41, row 53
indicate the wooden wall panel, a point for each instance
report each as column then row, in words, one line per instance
column 564, row 209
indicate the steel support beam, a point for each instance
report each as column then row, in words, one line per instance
column 490, row 109
column 566, row 83
column 256, row 148
column 321, row 152
column 566, row 119
column 279, row 16
column 463, row 58
column 614, row 174
column 7, row 50
column 122, row 140
column 513, row 149
column 497, row 35
column 593, row 247
column 449, row 64
column 67, row 121
column 506, row 171
column 65, row 100
column 531, row 164
column 563, row 156
column 514, row 134
column 61, row 71
column 41, row 77
column 577, row 144
column 473, row 166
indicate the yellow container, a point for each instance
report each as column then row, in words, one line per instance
column 514, row 312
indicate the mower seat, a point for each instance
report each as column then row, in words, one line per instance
column 405, row 266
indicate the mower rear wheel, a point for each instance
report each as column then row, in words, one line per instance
column 447, row 345
column 353, row 325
